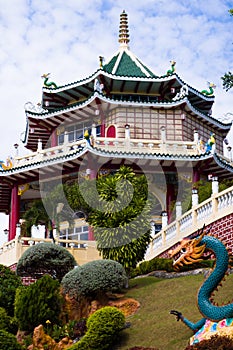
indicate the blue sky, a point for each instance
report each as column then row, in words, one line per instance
column 66, row 38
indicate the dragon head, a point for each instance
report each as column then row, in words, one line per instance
column 189, row 251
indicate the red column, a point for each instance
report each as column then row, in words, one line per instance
column 14, row 214
column 54, row 138
column 196, row 175
column 91, row 234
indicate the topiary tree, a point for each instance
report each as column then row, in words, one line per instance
column 9, row 282
column 37, row 303
column 45, row 258
column 122, row 226
column 8, row 341
column 94, row 278
column 103, row 328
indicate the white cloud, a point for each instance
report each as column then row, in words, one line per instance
column 66, row 39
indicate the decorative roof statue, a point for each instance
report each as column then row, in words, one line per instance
column 50, row 84
column 172, row 70
column 209, row 92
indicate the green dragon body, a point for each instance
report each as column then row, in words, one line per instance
column 210, row 91
column 191, row 251
column 50, row 84
column 172, row 70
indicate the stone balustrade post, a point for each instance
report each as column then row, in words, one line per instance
column 164, row 219
column 194, row 197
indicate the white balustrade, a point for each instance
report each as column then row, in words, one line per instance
column 212, row 209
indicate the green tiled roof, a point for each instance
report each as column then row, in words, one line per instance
column 124, row 63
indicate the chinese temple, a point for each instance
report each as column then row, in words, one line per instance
column 123, row 113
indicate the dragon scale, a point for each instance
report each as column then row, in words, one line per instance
column 190, row 251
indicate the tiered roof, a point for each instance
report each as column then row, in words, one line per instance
column 122, row 80
column 125, row 79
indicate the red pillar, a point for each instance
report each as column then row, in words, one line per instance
column 196, row 175
column 91, row 234
column 54, row 138
column 14, row 214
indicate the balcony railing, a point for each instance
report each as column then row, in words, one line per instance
column 110, row 144
column 217, row 206
column 83, row 251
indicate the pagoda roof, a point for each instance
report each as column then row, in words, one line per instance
column 39, row 168
column 123, row 74
column 125, row 64
column 40, row 125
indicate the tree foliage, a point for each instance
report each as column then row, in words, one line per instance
column 45, row 258
column 8, row 341
column 228, row 77
column 122, row 226
column 94, row 277
column 37, row 303
column 36, row 215
column 103, row 328
column 9, row 282
column 227, row 81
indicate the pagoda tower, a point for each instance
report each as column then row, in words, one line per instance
column 123, row 113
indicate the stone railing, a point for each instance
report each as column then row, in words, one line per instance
column 83, row 251
column 146, row 146
column 108, row 144
column 216, row 207
column 49, row 153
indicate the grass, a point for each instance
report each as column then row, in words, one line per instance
column 152, row 325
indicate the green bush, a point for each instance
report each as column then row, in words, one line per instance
column 158, row 264
column 7, row 323
column 9, row 282
column 103, row 328
column 45, row 258
column 8, row 341
column 94, row 277
column 37, row 303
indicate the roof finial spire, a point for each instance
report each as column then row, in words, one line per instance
column 123, row 30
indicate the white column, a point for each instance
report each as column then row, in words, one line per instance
column 39, row 145
column 127, row 131
column 163, row 133
column 164, row 219
column 215, row 186
column 195, row 136
column 93, row 130
column 194, row 197
column 178, row 209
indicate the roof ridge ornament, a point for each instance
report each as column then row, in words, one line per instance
column 211, row 86
column 48, row 84
column 172, row 70
column 123, row 30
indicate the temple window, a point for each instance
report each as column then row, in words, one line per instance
column 75, row 132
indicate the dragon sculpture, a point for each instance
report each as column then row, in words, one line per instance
column 190, row 251
column 209, row 92
column 50, row 84
column 6, row 167
column 172, row 70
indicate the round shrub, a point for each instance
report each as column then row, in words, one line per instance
column 94, row 277
column 37, row 303
column 45, row 258
column 103, row 328
column 9, row 282
column 8, row 341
